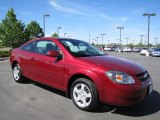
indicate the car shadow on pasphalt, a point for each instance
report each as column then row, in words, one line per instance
column 50, row 89
column 149, row 106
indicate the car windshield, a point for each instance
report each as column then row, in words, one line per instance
column 81, row 49
column 144, row 48
column 156, row 49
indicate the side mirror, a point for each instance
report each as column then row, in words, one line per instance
column 53, row 53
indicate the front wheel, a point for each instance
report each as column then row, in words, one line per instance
column 84, row 94
column 17, row 74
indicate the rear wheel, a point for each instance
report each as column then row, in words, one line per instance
column 84, row 94
column 17, row 74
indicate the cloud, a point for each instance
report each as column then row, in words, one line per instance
column 107, row 17
column 66, row 9
column 85, row 11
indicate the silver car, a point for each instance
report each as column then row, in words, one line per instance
column 155, row 52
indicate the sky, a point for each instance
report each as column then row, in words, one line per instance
column 81, row 18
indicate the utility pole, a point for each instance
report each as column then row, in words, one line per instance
column 120, row 28
column 44, row 22
column 149, row 15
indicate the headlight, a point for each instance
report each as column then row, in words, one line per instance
column 120, row 77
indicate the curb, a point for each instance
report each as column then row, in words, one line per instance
column 4, row 58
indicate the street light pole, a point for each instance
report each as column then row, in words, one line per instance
column 155, row 41
column 127, row 40
column 133, row 43
column 149, row 15
column 58, row 28
column 120, row 28
column 45, row 15
column 97, row 40
column 108, row 42
column 65, row 35
column 141, row 39
column 102, row 38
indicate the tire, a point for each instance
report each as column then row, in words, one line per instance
column 17, row 74
column 84, row 94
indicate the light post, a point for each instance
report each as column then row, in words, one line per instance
column 155, row 41
column 102, row 38
column 44, row 16
column 149, row 15
column 97, row 40
column 65, row 35
column 133, row 43
column 141, row 39
column 127, row 40
column 108, row 42
column 120, row 28
column 58, row 28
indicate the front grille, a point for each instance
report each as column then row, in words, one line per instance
column 143, row 76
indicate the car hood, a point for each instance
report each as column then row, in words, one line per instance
column 115, row 63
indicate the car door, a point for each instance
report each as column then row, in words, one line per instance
column 24, row 55
column 46, row 69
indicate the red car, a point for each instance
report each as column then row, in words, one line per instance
column 86, row 74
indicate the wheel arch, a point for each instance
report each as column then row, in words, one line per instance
column 76, row 76
column 14, row 63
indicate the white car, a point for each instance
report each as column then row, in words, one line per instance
column 127, row 49
column 107, row 48
column 144, row 51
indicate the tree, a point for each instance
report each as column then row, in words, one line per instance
column 34, row 30
column 54, row 35
column 12, row 31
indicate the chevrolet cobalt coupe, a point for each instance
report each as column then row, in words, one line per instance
column 86, row 74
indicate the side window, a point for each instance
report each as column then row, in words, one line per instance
column 43, row 46
column 28, row 47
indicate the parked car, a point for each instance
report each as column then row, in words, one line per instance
column 119, row 50
column 127, row 49
column 150, row 50
column 144, row 51
column 86, row 74
column 107, row 48
column 101, row 48
column 155, row 52
column 136, row 49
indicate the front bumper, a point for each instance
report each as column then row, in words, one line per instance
column 126, row 95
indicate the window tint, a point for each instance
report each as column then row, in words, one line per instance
column 43, row 46
column 28, row 47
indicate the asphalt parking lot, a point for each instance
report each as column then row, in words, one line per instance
column 33, row 101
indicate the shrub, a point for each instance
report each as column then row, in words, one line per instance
column 4, row 53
